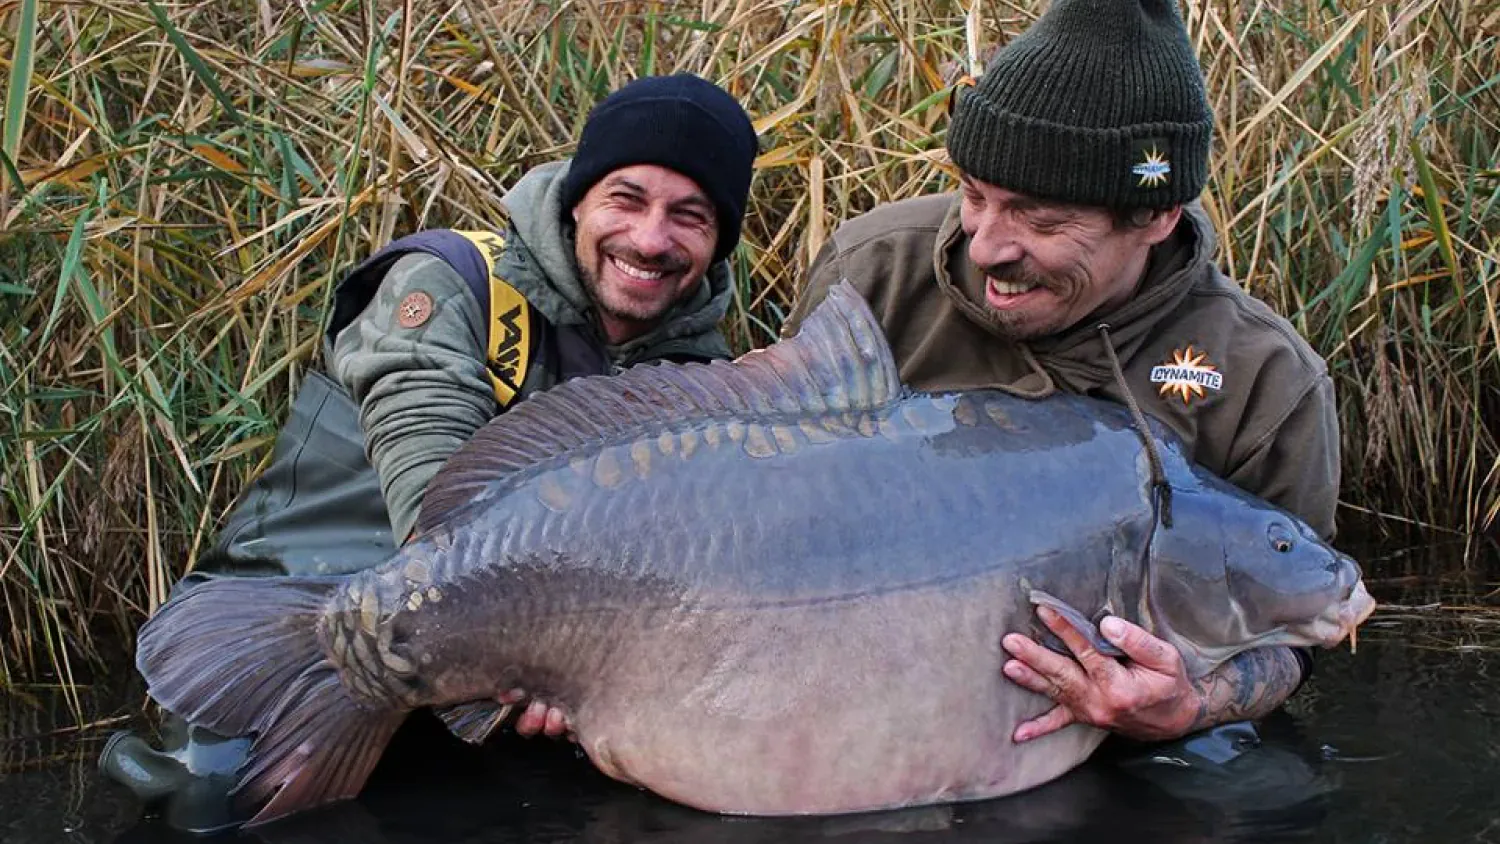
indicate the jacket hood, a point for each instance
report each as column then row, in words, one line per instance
column 545, row 231
column 1077, row 358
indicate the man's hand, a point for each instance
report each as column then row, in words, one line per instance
column 1148, row 697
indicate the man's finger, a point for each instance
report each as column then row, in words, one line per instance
column 1097, row 665
column 556, row 724
column 1022, row 675
column 1143, row 648
column 1050, row 674
column 533, row 720
column 1058, row 668
column 1050, row 721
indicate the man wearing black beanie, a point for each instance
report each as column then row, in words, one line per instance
column 1076, row 258
column 695, row 146
column 616, row 257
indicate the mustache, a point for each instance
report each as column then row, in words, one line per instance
column 1016, row 272
column 1074, row 276
column 666, row 262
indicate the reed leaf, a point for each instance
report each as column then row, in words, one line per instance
column 18, row 88
column 194, row 61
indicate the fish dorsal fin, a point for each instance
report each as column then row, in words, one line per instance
column 838, row 362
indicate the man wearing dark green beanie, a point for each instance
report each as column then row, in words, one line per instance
column 1075, row 258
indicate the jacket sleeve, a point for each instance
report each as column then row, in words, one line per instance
column 422, row 390
column 1296, row 465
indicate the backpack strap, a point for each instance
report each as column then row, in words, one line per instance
column 510, row 321
column 474, row 256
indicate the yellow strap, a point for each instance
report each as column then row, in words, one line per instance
column 510, row 323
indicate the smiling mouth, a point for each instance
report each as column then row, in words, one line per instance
column 637, row 273
column 1009, row 288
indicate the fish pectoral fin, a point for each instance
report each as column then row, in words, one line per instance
column 474, row 721
column 1077, row 620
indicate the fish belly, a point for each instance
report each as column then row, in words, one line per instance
column 827, row 707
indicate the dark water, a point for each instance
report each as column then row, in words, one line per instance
column 1399, row 742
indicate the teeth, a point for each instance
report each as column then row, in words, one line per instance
column 636, row 272
column 1010, row 288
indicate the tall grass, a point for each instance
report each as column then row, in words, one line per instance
column 183, row 182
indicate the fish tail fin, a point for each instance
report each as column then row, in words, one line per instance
column 243, row 655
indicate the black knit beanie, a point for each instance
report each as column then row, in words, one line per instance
column 1100, row 102
column 680, row 122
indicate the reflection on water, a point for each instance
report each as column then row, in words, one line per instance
column 1400, row 742
column 48, row 787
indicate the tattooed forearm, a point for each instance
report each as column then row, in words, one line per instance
column 1249, row 686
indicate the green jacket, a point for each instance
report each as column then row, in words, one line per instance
column 411, row 381
column 1251, row 399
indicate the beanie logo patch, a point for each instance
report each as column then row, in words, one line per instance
column 1153, row 165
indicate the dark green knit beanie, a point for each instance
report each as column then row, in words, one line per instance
column 1100, row 102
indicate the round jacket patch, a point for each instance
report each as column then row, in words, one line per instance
column 414, row 310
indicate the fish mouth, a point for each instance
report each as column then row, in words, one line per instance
column 1342, row 620
column 1355, row 609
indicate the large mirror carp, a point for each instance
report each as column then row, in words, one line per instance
column 770, row 586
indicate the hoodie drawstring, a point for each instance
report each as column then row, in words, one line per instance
column 1159, row 485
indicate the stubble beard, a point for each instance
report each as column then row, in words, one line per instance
column 623, row 308
column 1016, row 326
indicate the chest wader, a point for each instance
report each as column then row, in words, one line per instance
column 318, row 509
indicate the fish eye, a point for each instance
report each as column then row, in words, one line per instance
column 1280, row 538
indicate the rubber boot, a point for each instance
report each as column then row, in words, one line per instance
column 189, row 779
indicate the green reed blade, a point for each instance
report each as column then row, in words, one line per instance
column 200, row 69
column 22, row 58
